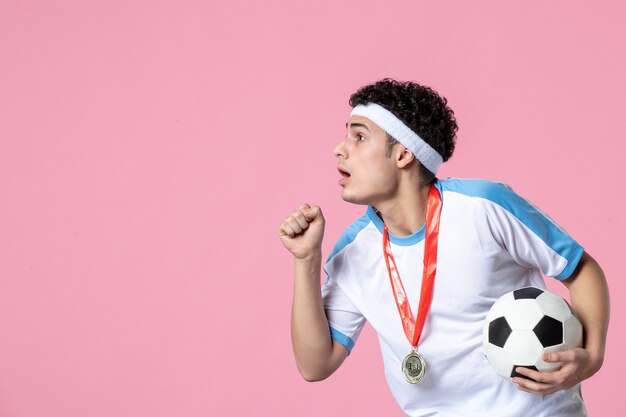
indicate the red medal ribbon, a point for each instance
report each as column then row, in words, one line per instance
column 413, row 330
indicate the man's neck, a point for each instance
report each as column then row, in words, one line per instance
column 405, row 214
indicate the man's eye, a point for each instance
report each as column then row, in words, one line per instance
column 360, row 137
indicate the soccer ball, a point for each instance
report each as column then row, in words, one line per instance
column 524, row 324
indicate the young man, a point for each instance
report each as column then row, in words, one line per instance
column 426, row 262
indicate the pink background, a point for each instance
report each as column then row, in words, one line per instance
column 150, row 149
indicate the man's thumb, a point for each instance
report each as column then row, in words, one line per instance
column 313, row 213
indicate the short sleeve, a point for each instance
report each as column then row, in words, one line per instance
column 345, row 320
column 532, row 238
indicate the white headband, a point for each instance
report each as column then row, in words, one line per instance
column 400, row 132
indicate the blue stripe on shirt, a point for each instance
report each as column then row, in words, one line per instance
column 529, row 215
column 349, row 235
column 342, row 338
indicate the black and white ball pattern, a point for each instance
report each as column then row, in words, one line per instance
column 524, row 324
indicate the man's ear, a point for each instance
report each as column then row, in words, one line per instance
column 404, row 157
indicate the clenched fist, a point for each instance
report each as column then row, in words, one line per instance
column 302, row 231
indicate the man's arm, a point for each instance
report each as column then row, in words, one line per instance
column 589, row 295
column 317, row 355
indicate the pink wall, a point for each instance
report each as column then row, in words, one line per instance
column 149, row 150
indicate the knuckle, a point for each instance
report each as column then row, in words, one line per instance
column 561, row 380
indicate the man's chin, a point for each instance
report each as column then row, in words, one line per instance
column 351, row 198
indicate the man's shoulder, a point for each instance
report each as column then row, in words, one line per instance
column 484, row 192
column 475, row 187
column 350, row 234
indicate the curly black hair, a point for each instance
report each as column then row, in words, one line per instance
column 420, row 108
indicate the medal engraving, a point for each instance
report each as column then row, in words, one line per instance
column 414, row 368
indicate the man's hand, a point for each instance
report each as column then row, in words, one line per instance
column 317, row 355
column 576, row 366
column 302, row 231
column 589, row 293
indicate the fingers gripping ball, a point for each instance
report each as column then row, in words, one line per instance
column 524, row 324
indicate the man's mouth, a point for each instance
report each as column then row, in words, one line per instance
column 344, row 175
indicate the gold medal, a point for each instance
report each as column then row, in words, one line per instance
column 414, row 367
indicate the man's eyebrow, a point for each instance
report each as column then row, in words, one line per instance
column 351, row 125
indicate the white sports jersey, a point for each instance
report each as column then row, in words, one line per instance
column 491, row 241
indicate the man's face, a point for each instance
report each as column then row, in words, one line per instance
column 368, row 176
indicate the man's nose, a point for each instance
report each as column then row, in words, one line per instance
column 340, row 150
